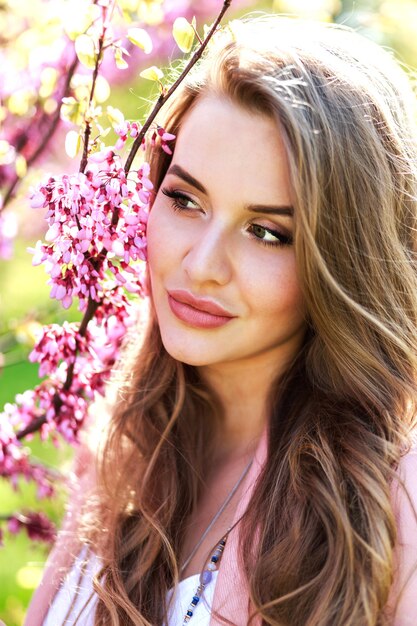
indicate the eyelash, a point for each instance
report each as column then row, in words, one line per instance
column 176, row 196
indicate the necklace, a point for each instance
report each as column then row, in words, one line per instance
column 216, row 516
column 214, row 561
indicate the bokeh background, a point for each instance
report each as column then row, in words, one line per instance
column 30, row 28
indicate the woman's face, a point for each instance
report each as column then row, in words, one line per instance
column 221, row 261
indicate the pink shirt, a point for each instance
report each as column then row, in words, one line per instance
column 231, row 597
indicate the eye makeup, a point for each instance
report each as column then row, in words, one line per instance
column 179, row 200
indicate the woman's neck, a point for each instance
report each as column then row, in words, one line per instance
column 243, row 391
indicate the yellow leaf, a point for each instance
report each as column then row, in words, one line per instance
column 82, row 92
column 77, row 18
column 140, row 38
column 151, row 12
column 102, row 90
column 49, row 77
column 72, row 143
column 7, row 153
column 72, row 111
column 129, row 5
column 152, row 73
column 86, row 51
column 21, row 166
column 50, row 106
column 121, row 64
column 115, row 116
column 19, row 102
column 183, row 33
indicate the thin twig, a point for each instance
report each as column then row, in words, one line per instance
column 33, row 427
column 164, row 97
column 36, row 424
column 87, row 131
column 50, row 131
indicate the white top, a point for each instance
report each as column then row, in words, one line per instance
column 77, row 588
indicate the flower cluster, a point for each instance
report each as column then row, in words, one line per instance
column 131, row 129
column 14, row 457
column 107, row 332
column 95, row 245
column 90, row 356
column 57, row 343
column 97, row 224
column 37, row 526
column 55, row 408
column 95, row 248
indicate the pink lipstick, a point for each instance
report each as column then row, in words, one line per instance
column 199, row 312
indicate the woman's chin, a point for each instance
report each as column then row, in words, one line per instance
column 187, row 354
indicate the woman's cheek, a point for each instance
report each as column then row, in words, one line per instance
column 153, row 235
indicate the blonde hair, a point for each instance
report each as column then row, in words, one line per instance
column 341, row 415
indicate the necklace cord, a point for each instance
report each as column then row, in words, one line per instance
column 216, row 516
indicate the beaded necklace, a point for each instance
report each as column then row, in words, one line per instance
column 205, row 577
column 214, row 561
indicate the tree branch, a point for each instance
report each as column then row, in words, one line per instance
column 164, row 97
column 92, row 305
column 87, row 131
column 49, row 133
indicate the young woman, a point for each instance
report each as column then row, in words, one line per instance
column 258, row 466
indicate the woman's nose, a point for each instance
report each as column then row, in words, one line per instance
column 208, row 258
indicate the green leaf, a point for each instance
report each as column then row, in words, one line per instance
column 21, row 166
column 86, row 51
column 183, row 33
column 76, row 22
column 121, row 64
column 72, row 143
column 140, row 38
column 102, row 90
column 115, row 116
column 72, row 111
column 152, row 73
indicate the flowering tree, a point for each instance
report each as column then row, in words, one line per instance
column 95, row 245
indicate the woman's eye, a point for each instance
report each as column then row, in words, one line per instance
column 179, row 200
column 270, row 237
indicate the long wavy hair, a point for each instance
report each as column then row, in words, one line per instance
column 342, row 413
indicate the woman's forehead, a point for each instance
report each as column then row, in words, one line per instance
column 221, row 142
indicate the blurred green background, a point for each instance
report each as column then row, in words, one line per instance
column 24, row 295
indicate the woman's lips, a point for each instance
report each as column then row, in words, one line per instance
column 197, row 317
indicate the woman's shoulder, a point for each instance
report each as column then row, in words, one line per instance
column 76, row 596
column 68, row 543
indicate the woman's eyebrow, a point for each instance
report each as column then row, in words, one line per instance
column 270, row 210
column 179, row 171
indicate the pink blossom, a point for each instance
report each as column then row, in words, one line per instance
column 94, row 249
column 56, row 343
column 36, row 524
column 81, row 211
column 14, row 457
